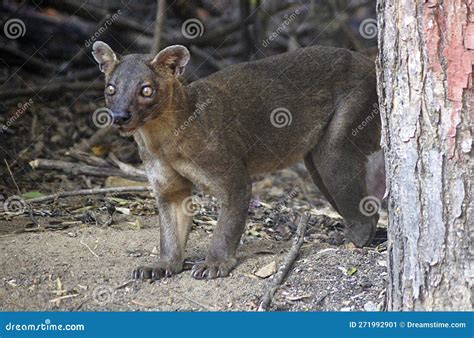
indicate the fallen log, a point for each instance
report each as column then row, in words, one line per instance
column 84, row 169
column 84, row 192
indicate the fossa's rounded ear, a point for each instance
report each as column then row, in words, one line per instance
column 173, row 57
column 105, row 57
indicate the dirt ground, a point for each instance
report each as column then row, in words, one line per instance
column 85, row 266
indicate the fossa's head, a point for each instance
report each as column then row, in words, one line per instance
column 138, row 85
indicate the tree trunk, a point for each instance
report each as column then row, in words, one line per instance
column 425, row 69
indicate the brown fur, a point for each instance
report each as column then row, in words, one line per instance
column 328, row 93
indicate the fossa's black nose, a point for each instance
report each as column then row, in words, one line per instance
column 121, row 118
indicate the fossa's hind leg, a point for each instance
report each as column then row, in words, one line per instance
column 344, row 180
column 338, row 166
column 318, row 180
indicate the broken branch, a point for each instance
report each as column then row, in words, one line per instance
column 53, row 88
column 96, row 191
column 84, row 169
column 285, row 267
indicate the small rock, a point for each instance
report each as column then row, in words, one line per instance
column 267, row 270
column 365, row 283
column 370, row 306
column 336, row 238
column 136, row 253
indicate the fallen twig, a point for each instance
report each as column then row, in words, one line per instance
column 136, row 302
column 213, row 37
column 195, row 302
column 93, row 13
column 285, row 267
column 55, row 300
column 29, row 209
column 217, row 64
column 84, row 169
column 88, row 158
column 28, row 61
column 124, row 285
column 127, row 168
column 86, row 144
column 83, row 192
column 54, row 88
column 88, row 247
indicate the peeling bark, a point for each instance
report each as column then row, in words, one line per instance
column 425, row 72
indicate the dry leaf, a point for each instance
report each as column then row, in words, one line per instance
column 296, row 298
column 351, row 271
column 125, row 211
column 267, row 270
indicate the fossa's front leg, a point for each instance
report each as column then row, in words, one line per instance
column 171, row 192
column 235, row 199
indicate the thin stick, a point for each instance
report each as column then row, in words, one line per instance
column 88, row 247
column 13, row 178
column 195, row 302
column 29, row 61
column 97, row 138
column 136, row 302
column 159, row 21
column 84, row 169
column 88, row 158
column 54, row 88
column 30, row 210
column 285, row 267
column 208, row 58
column 96, row 191
column 63, row 297
column 127, row 168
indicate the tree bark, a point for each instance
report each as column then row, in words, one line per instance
column 425, row 69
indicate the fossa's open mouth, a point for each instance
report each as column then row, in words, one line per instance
column 126, row 131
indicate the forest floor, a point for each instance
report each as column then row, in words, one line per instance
column 66, row 256
column 81, row 266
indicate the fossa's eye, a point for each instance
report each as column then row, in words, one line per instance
column 147, row 91
column 110, row 90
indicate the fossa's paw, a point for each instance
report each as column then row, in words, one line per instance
column 210, row 269
column 155, row 271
